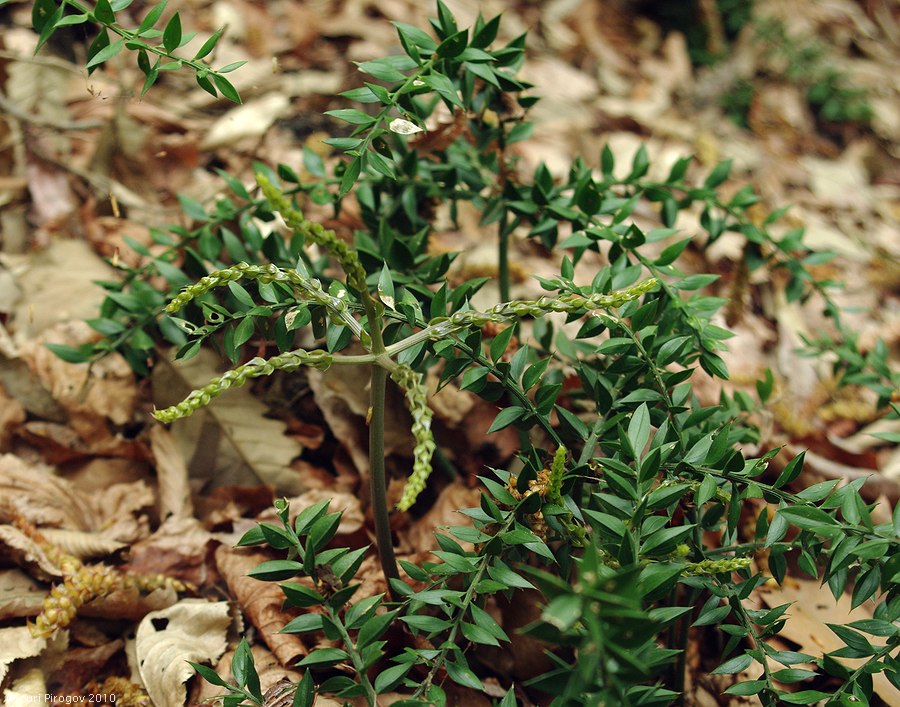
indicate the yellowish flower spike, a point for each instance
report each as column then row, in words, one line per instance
column 316, row 233
column 518, row 309
column 413, row 385
column 236, row 377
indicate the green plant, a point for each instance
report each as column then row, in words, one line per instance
column 623, row 474
column 803, row 62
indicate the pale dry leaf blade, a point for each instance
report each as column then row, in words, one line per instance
column 171, row 475
column 192, row 630
column 259, row 449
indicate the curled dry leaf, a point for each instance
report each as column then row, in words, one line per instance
column 82, row 664
column 17, row 643
column 260, row 601
column 90, row 395
column 171, row 475
column 192, row 630
column 180, row 547
column 231, row 441
column 48, row 500
column 84, row 546
column 17, row 547
column 40, row 658
column 12, row 415
column 20, row 596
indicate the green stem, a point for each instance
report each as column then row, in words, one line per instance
column 358, row 663
column 129, row 36
column 503, row 259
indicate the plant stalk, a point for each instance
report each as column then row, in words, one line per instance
column 383, row 537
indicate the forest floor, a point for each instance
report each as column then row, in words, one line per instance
column 86, row 167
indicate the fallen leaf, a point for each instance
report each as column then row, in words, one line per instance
column 58, row 285
column 812, row 607
column 49, row 500
column 261, row 601
column 171, row 475
column 250, row 120
column 231, row 441
column 192, row 630
column 20, row 596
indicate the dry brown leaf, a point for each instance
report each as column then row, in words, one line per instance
column 90, row 395
column 180, row 547
column 171, row 475
column 58, row 286
column 84, row 546
column 814, row 606
column 445, row 512
column 17, row 643
column 352, row 517
column 192, row 630
column 25, row 388
column 48, row 500
column 12, row 415
column 229, row 442
column 27, row 681
column 20, row 595
column 82, row 664
column 260, row 601
column 250, row 120
column 23, row 550
column 61, row 444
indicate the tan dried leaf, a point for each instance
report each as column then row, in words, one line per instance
column 17, row 643
column 59, row 286
column 171, row 475
column 82, row 545
column 813, row 606
column 18, row 547
column 178, row 548
column 12, row 414
column 90, row 395
column 192, row 630
column 48, row 500
column 231, row 441
column 260, row 601
column 20, row 596
column 250, row 120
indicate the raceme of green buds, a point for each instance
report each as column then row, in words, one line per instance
column 557, row 471
column 711, row 567
column 309, row 288
column 413, row 385
column 518, row 309
column 316, row 233
column 237, row 377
